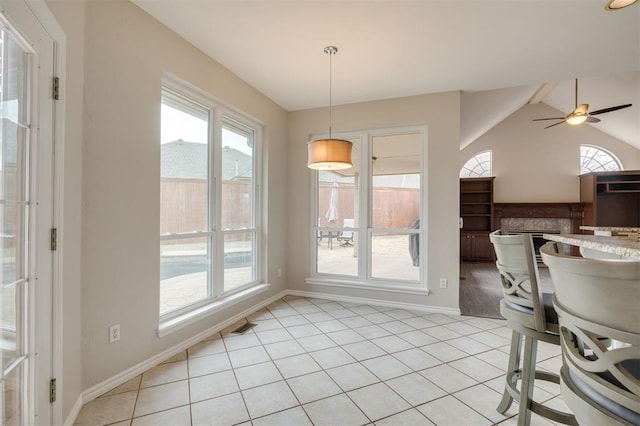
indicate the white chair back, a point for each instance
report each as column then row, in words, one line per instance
column 519, row 274
column 598, row 304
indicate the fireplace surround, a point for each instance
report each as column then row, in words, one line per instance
column 537, row 219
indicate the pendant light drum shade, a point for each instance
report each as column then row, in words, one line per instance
column 329, row 154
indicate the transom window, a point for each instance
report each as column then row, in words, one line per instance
column 366, row 219
column 208, row 201
column 596, row 159
column 478, row 166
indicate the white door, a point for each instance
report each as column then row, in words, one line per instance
column 26, row 188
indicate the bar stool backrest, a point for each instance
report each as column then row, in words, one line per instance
column 519, row 274
column 598, row 304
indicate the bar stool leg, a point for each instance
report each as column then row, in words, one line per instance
column 528, row 376
column 514, row 364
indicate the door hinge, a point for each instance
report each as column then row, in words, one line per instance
column 52, row 390
column 54, row 239
column 56, row 88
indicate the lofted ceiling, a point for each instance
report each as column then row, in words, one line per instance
column 498, row 53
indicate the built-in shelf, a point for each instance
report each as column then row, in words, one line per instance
column 611, row 198
column 476, row 212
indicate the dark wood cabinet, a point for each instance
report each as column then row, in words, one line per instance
column 476, row 212
column 611, row 198
column 476, row 246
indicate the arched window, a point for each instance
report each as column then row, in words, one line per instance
column 596, row 159
column 478, row 166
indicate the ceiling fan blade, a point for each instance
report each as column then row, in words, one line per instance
column 613, row 108
column 555, row 124
column 554, row 118
column 593, row 119
column 581, row 109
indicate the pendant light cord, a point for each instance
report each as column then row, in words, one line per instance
column 331, row 50
column 330, row 88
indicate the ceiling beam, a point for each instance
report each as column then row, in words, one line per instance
column 542, row 92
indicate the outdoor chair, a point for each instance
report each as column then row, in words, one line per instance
column 347, row 236
column 530, row 315
column 598, row 304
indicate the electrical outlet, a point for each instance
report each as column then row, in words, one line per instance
column 279, row 272
column 114, row 333
column 443, row 283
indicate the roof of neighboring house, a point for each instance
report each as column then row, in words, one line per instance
column 180, row 159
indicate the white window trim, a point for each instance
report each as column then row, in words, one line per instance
column 599, row 148
column 176, row 323
column 490, row 171
column 187, row 315
column 364, row 261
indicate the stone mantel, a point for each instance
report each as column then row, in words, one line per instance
column 572, row 211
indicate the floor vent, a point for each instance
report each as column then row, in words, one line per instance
column 244, row 328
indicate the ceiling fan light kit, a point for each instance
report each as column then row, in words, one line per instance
column 329, row 154
column 581, row 113
column 575, row 119
column 619, row 4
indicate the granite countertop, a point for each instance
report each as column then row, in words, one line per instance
column 627, row 247
column 610, row 228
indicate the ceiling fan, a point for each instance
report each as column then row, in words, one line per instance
column 581, row 113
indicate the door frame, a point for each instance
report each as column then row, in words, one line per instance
column 45, row 17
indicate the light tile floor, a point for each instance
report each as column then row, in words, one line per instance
column 319, row 362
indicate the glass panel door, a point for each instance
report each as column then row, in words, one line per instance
column 27, row 178
column 15, row 211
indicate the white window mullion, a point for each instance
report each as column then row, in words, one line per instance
column 313, row 219
column 216, row 279
column 365, row 209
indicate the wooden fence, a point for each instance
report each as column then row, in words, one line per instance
column 184, row 205
column 392, row 207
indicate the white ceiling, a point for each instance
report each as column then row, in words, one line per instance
column 497, row 52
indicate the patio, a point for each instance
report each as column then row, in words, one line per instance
column 390, row 259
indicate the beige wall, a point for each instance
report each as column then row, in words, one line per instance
column 116, row 54
column 125, row 52
column 523, row 149
column 440, row 113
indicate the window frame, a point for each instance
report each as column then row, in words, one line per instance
column 475, row 157
column 217, row 298
column 364, row 278
column 600, row 149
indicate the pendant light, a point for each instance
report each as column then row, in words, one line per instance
column 329, row 154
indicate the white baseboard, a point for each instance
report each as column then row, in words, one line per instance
column 375, row 302
column 120, row 378
column 75, row 410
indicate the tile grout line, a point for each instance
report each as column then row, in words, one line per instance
column 284, row 305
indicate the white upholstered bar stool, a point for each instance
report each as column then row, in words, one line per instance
column 530, row 315
column 598, row 303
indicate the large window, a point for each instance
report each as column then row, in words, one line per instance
column 208, row 202
column 478, row 166
column 367, row 218
column 596, row 159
